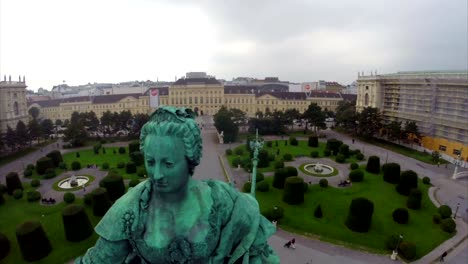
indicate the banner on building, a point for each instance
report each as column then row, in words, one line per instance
column 154, row 98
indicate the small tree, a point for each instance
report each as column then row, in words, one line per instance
column 356, row 175
column 344, row 150
column 69, row 197
column 448, row 225
column 76, row 165
column 400, row 215
column 323, row 183
column 360, row 215
column 445, row 211
column 43, row 164
column 13, row 182
column 373, row 165
column 414, row 199
column 56, row 157
column 318, row 212
column 391, row 172
column 408, row 181
column 313, row 141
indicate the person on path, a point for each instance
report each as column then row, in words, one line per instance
column 293, row 243
column 442, row 258
column 288, row 244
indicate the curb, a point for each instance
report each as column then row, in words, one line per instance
column 228, row 178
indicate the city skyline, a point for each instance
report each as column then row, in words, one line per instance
column 116, row 41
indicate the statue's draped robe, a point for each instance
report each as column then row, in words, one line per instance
column 237, row 232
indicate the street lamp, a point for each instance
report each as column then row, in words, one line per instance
column 456, row 211
column 395, row 252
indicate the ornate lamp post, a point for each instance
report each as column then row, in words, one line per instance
column 255, row 145
column 395, row 252
column 456, row 163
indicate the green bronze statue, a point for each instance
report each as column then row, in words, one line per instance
column 172, row 218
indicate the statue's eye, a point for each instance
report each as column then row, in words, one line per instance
column 150, row 163
column 169, row 164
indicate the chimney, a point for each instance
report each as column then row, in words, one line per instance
column 9, row 78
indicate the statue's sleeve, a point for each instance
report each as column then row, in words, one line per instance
column 106, row 251
column 244, row 232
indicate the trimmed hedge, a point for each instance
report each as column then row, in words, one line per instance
column 76, row 223
column 391, row 172
column 137, row 158
column 68, row 197
column 318, row 212
column 43, row 164
column 114, row 185
column 408, row 250
column 448, row 225
column 260, row 177
column 293, row 190
column 287, row 157
column 313, row 141
column 56, row 157
column 27, row 173
column 323, row 183
column 400, row 215
column 263, row 186
column 314, row 154
column 293, row 141
column 291, row 171
column 63, row 165
column 35, row 183
column 356, row 175
column 228, row 152
column 3, row 189
column 360, row 214
column 33, row 196
column 279, row 164
column 426, row 180
column 32, row 241
column 333, row 145
column 76, row 165
column 4, row 246
column 373, row 165
column 354, row 166
column 132, row 147
column 18, row 194
column 13, row 182
column 50, row 173
column 275, row 213
column 122, row 150
column 279, row 178
column 360, row 156
column 247, row 186
column 239, row 151
column 100, row 201
column 130, row 167
column 445, row 211
column 141, row 172
column 133, row 183
column 327, row 153
column 344, row 150
column 105, row 166
column 340, row 158
column 414, row 199
column 121, row 165
column 408, row 181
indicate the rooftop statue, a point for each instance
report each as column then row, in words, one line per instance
column 172, row 218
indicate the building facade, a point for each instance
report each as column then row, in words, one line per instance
column 436, row 101
column 13, row 103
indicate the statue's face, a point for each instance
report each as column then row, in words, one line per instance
column 166, row 163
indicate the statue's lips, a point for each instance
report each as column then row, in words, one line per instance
column 161, row 184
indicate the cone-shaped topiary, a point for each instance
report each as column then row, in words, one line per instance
column 360, row 214
column 313, row 141
column 32, row 241
column 130, row 167
column 43, row 164
column 318, row 212
column 263, row 186
column 279, row 178
column 391, row 172
column 293, row 190
column 137, row 158
column 4, row 246
column 133, row 146
column 13, row 182
column 115, row 186
column 414, row 199
column 373, row 164
column 76, row 223
column 408, row 181
column 101, row 202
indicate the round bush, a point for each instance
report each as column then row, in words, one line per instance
column 293, row 141
column 445, row 211
column 426, row 180
column 76, row 165
column 408, row 250
column 56, row 157
column 275, row 213
column 247, row 186
column 18, row 194
column 293, row 190
column 327, row 153
column 414, row 199
column 114, row 185
column 239, row 151
column 313, row 141
column 360, row 215
column 356, row 175
column 287, row 157
column 400, row 215
column 263, row 186
column 391, row 172
column 77, row 155
column 279, row 178
column 448, row 225
column 63, row 165
column 43, row 164
column 323, row 183
column 30, row 167
column 408, row 181
column 141, row 172
column 269, row 144
column 318, row 212
column 130, row 167
column 260, row 177
column 27, row 173
column 33, row 196
column 69, row 197
column 291, row 171
column 121, row 150
column 344, row 150
column 76, row 223
column 105, row 166
column 32, row 241
column 133, row 183
column 314, row 154
column 263, row 159
column 353, row 166
column 4, row 246
column 436, row 218
column 50, row 173
column 137, row 158
column 279, row 165
column 373, row 165
column 228, row 152
column 333, row 145
column 100, row 202
column 13, row 182
column 121, row 165
column 360, row 156
column 340, row 158
column 133, row 146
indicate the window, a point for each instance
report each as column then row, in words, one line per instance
column 456, row 152
column 366, row 99
column 442, row 148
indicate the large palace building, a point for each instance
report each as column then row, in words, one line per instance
column 203, row 94
column 13, row 107
column 436, row 101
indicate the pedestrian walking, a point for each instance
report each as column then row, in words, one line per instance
column 353, row 140
column 293, row 243
column 442, row 258
column 438, row 164
column 288, row 244
column 84, row 188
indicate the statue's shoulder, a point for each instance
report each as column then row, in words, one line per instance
column 123, row 214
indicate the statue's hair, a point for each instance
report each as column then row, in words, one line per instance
column 179, row 122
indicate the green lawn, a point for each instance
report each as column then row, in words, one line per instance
column 14, row 212
column 302, row 149
column 335, row 204
column 88, row 157
column 15, row 156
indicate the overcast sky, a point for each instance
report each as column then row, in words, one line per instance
column 51, row 41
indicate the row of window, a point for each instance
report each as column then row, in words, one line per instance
column 194, row 92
